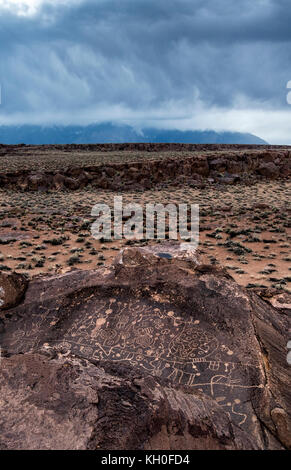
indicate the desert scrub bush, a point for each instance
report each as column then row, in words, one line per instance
column 25, row 244
column 237, row 248
column 252, row 239
column 211, row 235
column 40, row 263
column 7, row 242
column 56, row 241
column 75, row 259
column 40, row 247
column 268, row 271
column 76, row 250
column 234, row 233
column 3, row 267
column 23, row 266
column 85, row 225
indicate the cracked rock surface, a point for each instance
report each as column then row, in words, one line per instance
column 154, row 352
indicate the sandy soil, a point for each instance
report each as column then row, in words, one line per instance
column 244, row 228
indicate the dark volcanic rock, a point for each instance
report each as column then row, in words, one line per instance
column 59, row 181
column 70, row 403
column 37, row 182
column 227, row 168
column 229, row 179
column 154, row 352
column 12, row 289
column 269, row 170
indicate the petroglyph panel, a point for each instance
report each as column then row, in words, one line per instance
column 157, row 338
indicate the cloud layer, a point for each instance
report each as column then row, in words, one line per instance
column 182, row 63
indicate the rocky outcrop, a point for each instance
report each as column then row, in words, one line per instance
column 12, row 289
column 69, row 403
column 154, row 352
column 269, row 170
column 194, row 168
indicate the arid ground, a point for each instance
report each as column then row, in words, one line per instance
column 244, row 225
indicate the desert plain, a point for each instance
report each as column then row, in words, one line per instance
column 244, row 223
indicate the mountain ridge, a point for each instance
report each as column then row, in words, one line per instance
column 113, row 133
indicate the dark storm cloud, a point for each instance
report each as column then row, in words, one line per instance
column 144, row 55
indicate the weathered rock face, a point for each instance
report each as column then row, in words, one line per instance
column 269, row 170
column 12, row 289
column 155, row 352
column 69, row 403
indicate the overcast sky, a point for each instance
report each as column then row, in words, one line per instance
column 189, row 64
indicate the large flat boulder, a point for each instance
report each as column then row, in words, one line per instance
column 184, row 330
